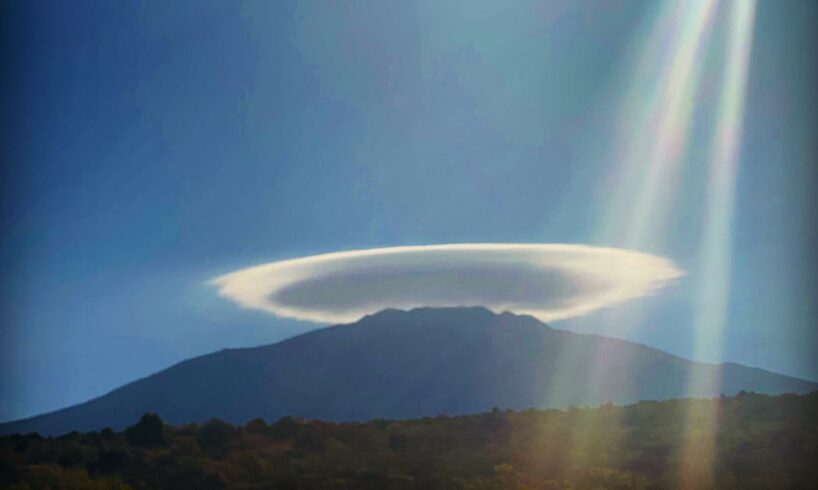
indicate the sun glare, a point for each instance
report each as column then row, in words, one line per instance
column 652, row 126
column 715, row 248
column 648, row 161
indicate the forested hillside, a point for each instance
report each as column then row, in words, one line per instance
column 761, row 442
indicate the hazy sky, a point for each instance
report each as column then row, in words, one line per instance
column 151, row 146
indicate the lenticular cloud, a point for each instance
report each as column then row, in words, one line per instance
column 548, row 281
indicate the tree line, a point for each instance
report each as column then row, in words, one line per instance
column 759, row 441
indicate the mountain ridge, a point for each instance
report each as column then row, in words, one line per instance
column 403, row 364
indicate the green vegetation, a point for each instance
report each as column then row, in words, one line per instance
column 761, row 442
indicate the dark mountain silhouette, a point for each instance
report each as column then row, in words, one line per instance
column 399, row 364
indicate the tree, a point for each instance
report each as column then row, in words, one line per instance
column 256, row 426
column 148, row 432
column 285, row 428
column 213, row 437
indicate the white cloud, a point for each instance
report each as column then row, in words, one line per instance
column 548, row 281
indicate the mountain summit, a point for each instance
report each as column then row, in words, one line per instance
column 402, row 364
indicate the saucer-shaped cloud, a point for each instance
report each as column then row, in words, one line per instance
column 548, row 281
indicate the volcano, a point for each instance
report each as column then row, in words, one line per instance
column 407, row 364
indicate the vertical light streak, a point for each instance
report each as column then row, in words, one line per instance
column 715, row 248
column 665, row 144
column 715, row 253
column 651, row 136
column 653, row 126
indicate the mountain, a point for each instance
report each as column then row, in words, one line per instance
column 404, row 364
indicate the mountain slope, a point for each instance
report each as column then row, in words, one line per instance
column 398, row 364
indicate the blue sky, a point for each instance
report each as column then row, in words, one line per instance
column 151, row 146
